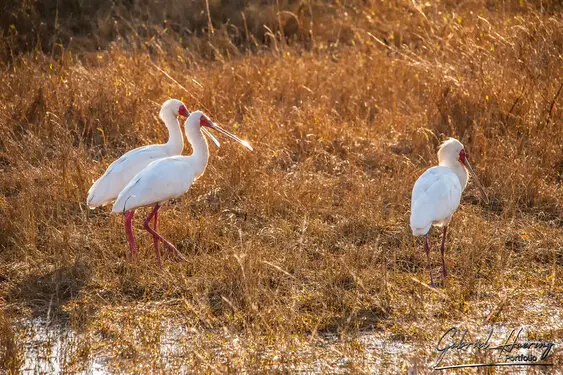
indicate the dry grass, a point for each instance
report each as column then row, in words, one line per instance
column 309, row 234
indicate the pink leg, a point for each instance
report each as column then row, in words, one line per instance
column 129, row 231
column 427, row 248
column 444, row 272
column 155, row 238
column 170, row 247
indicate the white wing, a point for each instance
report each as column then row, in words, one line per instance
column 435, row 197
column 161, row 180
column 120, row 172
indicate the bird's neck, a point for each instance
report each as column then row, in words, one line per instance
column 459, row 170
column 175, row 143
column 200, row 148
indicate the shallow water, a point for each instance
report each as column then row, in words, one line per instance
column 47, row 349
column 53, row 349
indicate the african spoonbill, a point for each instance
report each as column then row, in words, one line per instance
column 169, row 178
column 437, row 193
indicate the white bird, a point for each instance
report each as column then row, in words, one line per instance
column 437, row 193
column 169, row 178
column 121, row 171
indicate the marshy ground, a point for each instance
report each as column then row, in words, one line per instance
column 300, row 256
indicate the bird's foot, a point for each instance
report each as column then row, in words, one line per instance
column 180, row 256
column 432, row 284
column 444, row 273
column 132, row 252
column 176, row 252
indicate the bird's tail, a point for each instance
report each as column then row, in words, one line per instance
column 420, row 231
column 120, row 206
column 98, row 195
column 419, row 227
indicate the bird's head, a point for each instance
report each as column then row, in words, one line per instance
column 452, row 152
column 198, row 120
column 174, row 107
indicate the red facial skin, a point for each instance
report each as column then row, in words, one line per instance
column 462, row 156
column 204, row 121
column 183, row 111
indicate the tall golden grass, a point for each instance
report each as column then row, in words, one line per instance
column 345, row 104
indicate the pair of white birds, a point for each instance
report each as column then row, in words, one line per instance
column 154, row 174
column 151, row 175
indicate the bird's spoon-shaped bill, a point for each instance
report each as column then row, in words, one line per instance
column 485, row 198
column 211, row 136
column 213, row 125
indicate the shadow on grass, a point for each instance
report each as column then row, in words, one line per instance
column 46, row 294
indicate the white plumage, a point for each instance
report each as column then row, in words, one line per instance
column 121, row 171
column 168, row 178
column 437, row 193
column 160, row 181
column 435, row 197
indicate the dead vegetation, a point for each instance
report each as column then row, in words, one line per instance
column 308, row 235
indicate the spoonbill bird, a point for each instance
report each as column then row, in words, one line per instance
column 169, row 178
column 437, row 193
column 121, row 171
